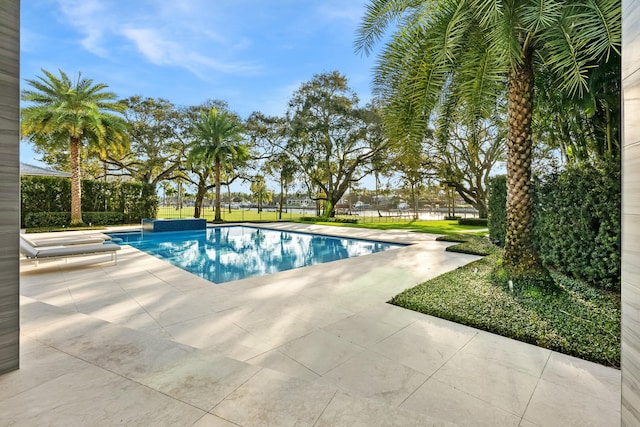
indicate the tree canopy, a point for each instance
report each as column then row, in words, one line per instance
column 64, row 114
column 473, row 45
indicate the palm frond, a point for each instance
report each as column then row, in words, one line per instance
column 539, row 15
column 599, row 21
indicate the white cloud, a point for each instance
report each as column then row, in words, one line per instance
column 151, row 45
column 351, row 12
column 88, row 16
column 160, row 51
column 183, row 38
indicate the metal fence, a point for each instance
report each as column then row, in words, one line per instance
column 291, row 213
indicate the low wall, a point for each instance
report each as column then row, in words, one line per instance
column 159, row 225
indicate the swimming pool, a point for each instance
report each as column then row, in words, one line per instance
column 225, row 253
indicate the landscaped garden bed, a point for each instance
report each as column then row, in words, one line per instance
column 574, row 318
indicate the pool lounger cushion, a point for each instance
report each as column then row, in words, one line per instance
column 65, row 241
column 67, row 251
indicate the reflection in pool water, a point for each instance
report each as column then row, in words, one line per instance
column 222, row 254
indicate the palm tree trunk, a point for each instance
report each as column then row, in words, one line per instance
column 197, row 210
column 76, row 181
column 218, row 215
column 519, row 250
column 281, row 198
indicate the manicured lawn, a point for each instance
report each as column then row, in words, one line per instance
column 236, row 215
column 427, row 226
column 575, row 319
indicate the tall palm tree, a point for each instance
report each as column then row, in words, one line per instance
column 474, row 44
column 218, row 140
column 65, row 114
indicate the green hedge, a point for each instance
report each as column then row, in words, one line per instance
column 482, row 222
column 103, row 218
column 497, row 207
column 44, row 194
column 62, row 219
column 51, row 197
column 325, row 219
column 46, row 219
column 577, row 223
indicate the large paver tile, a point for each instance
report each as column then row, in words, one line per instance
column 348, row 411
column 513, row 354
column 442, row 401
column 93, row 396
column 556, row 405
column 130, row 353
column 320, row 351
column 201, row 378
column 209, row 420
column 35, row 314
column 361, row 330
column 391, row 314
column 275, row 399
column 424, row 345
column 218, row 332
column 280, row 330
column 376, row 377
column 280, row 362
column 490, row 380
column 172, row 306
column 583, row 377
column 38, row 364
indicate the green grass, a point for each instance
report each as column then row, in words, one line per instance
column 370, row 222
column 427, row 226
column 236, row 215
column 470, row 244
column 575, row 319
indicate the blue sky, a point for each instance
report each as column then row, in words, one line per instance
column 251, row 53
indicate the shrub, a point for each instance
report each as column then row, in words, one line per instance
column 577, row 223
column 49, row 195
column 497, row 207
column 44, row 194
column 47, row 219
column 138, row 201
column 325, row 219
column 103, row 218
column 100, row 196
column 482, row 222
column 469, row 244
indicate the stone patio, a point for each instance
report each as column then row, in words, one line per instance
column 145, row 343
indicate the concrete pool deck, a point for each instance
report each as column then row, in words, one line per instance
column 145, row 343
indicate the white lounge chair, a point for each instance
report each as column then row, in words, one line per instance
column 36, row 254
column 65, row 241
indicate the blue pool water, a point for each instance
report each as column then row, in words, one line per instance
column 222, row 254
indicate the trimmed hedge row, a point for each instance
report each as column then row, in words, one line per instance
column 47, row 199
column 482, row 222
column 62, row 219
column 577, row 222
column 325, row 219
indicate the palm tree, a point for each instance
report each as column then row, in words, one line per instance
column 64, row 114
column 473, row 45
column 218, row 136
